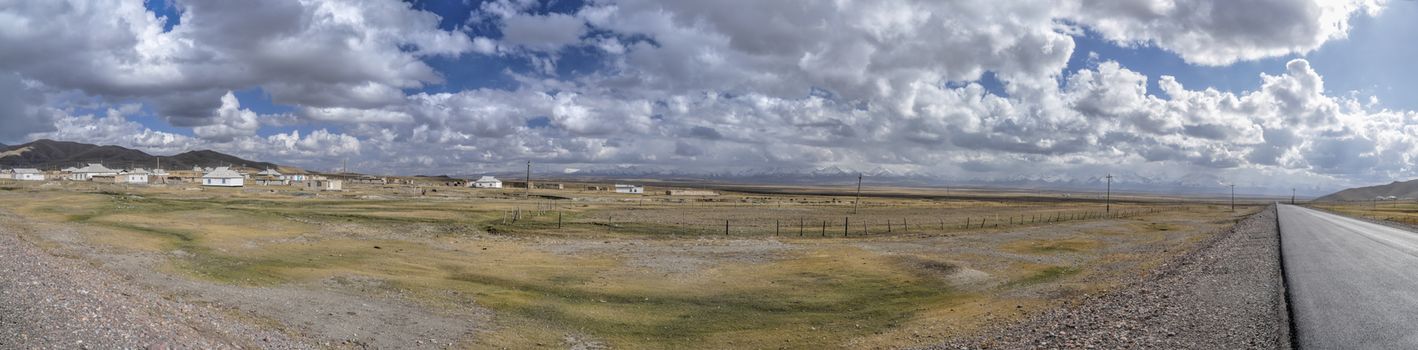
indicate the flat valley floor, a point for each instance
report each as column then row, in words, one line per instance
column 389, row 267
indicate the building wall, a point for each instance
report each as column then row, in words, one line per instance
column 29, row 177
column 232, row 182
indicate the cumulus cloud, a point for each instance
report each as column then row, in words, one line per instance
column 316, row 53
column 22, row 109
column 707, row 86
column 1223, row 32
column 230, row 121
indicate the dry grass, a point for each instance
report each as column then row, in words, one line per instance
column 635, row 275
column 1402, row 212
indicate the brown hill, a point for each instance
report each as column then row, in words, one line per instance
column 50, row 154
column 1398, row 190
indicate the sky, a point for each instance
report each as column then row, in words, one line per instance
column 1266, row 94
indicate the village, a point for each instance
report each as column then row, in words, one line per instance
column 237, row 177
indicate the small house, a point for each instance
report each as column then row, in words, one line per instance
column 487, row 182
column 135, row 176
column 88, row 172
column 325, row 185
column 631, row 189
column 158, row 176
column 268, row 180
column 223, row 177
column 28, row 174
column 7, row 174
column 270, row 177
column 295, row 177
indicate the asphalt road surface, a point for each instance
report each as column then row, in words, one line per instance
column 1352, row 284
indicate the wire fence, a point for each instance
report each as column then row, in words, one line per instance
column 796, row 222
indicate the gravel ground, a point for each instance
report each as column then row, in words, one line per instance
column 49, row 302
column 1226, row 294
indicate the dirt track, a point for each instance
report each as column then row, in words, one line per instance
column 49, row 302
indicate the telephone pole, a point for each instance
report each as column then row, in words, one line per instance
column 1108, row 196
column 529, row 179
column 1233, row 198
column 859, row 193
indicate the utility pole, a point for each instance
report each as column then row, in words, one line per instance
column 1233, row 198
column 859, row 193
column 1108, row 196
column 529, row 182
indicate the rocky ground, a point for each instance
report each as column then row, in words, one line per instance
column 49, row 302
column 1226, row 294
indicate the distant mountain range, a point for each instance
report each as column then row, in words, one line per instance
column 1397, row 190
column 50, row 154
column 1195, row 183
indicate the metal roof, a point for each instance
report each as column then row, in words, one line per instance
column 222, row 173
column 94, row 168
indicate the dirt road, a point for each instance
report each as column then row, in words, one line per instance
column 49, row 302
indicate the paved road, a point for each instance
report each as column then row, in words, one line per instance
column 1353, row 284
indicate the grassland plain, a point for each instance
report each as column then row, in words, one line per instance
column 386, row 267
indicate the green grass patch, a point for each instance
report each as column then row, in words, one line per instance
column 1049, row 274
column 839, row 306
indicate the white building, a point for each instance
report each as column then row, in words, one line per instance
column 632, row 189
column 321, row 184
column 135, row 176
column 487, row 182
column 223, row 177
column 88, row 172
column 7, row 174
column 28, row 174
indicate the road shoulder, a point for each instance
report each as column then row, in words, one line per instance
column 1227, row 293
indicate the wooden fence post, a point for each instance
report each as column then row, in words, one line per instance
column 726, row 227
column 800, row 227
column 845, row 226
column 558, row 219
column 775, row 227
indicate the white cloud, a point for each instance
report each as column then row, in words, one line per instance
column 229, row 122
column 353, row 115
column 542, row 31
column 1213, row 32
column 318, row 53
column 714, row 85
